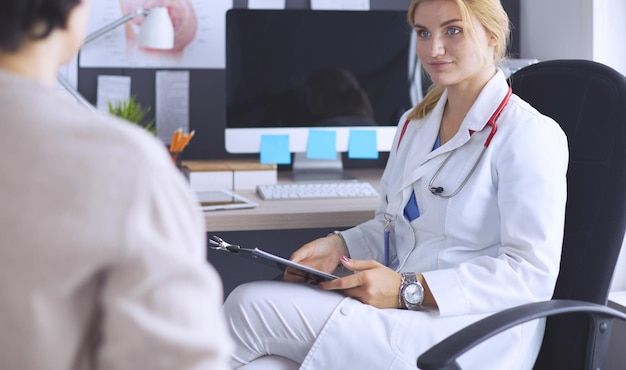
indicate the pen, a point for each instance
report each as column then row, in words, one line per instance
column 185, row 140
column 386, row 231
column 175, row 138
column 180, row 141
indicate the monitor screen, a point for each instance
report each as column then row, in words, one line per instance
column 291, row 70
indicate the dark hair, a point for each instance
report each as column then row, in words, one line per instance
column 31, row 19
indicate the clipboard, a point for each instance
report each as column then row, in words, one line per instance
column 266, row 258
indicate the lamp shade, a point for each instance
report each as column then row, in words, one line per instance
column 157, row 30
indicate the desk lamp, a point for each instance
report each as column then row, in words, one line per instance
column 156, row 32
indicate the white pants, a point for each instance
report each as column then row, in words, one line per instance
column 274, row 324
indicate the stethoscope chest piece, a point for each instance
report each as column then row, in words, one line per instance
column 439, row 190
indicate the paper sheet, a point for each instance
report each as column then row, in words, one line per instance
column 340, row 4
column 266, row 4
column 172, row 103
column 112, row 89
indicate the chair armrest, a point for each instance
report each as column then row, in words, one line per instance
column 444, row 354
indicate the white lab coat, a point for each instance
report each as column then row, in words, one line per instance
column 494, row 245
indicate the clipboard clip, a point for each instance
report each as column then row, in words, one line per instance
column 215, row 242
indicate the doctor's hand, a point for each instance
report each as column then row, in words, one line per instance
column 322, row 254
column 373, row 283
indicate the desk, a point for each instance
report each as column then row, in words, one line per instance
column 296, row 213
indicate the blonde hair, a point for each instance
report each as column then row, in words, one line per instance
column 491, row 15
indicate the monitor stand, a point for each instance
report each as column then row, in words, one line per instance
column 318, row 170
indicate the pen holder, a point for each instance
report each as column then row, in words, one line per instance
column 177, row 159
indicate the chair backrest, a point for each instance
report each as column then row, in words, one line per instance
column 588, row 100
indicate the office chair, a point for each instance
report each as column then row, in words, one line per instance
column 588, row 100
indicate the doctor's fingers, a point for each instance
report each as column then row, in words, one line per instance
column 294, row 275
column 372, row 297
column 359, row 265
column 304, row 252
column 378, row 285
column 297, row 276
column 346, row 282
column 365, row 274
column 365, row 280
column 326, row 247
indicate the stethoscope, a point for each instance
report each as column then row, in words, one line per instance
column 438, row 190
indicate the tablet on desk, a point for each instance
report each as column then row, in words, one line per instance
column 216, row 200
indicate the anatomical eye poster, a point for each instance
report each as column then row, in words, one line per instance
column 199, row 41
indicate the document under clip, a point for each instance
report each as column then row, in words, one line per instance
column 220, row 244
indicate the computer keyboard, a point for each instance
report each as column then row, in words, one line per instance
column 347, row 189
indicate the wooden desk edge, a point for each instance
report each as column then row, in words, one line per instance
column 298, row 214
column 288, row 221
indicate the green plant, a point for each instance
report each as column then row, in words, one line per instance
column 132, row 111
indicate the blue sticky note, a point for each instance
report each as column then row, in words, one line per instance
column 321, row 144
column 362, row 144
column 275, row 149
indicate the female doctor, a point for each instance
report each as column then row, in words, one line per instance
column 470, row 222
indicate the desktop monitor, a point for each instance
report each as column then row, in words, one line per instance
column 288, row 71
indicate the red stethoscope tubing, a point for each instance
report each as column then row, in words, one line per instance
column 495, row 115
column 491, row 122
column 438, row 190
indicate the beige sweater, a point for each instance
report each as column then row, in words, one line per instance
column 102, row 248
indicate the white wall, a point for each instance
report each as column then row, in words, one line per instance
column 609, row 37
column 574, row 29
column 556, row 29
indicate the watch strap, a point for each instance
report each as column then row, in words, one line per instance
column 400, row 300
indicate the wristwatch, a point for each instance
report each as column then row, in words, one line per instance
column 411, row 292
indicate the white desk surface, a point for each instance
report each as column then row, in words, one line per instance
column 296, row 213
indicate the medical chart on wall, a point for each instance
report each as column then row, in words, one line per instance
column 199, row 27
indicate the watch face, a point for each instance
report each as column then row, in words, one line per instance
column 413, row 294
